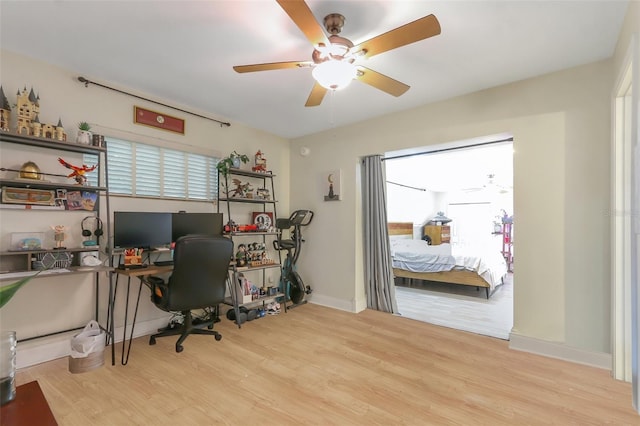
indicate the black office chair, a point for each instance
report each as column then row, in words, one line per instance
column 198, row 281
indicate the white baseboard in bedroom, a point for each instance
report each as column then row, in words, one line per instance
column 559, row 351
column 49, row 348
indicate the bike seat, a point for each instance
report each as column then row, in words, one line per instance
column 284, row 244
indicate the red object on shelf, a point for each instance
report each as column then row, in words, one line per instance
column 507, row 244
column 247, row 228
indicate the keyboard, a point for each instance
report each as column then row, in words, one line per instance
column 163, row 262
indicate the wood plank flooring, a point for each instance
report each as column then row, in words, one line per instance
column 458, row 306
column 319, row 366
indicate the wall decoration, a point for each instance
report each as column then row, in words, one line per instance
column 331, row 184
column 155, row 119
column 42, row 197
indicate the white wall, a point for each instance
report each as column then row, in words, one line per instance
column 50, row 304
column 560, row 124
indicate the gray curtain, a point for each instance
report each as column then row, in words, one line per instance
column 378, row 273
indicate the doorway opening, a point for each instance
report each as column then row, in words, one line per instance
column 471, row 186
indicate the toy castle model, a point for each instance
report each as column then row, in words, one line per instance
column 5, row 111
column 28, row 108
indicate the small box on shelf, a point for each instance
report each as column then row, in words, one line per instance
column 132, row 260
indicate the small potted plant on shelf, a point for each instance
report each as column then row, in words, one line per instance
column 84, row 133
column 232, row 161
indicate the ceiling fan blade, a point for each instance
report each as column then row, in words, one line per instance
column 381, row 81
column 414, row 31
column 302, row 16
column 316, row 95
column 272, row 66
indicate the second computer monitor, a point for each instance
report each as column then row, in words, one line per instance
column 195, row 223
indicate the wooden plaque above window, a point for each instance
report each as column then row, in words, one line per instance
column 155, row 119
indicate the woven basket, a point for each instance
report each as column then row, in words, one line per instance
column 91, row 362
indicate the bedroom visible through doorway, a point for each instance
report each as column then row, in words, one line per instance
column 465, row 194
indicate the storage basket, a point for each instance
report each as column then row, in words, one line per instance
column 51, row 260
column 87, row 349
column 91, row 362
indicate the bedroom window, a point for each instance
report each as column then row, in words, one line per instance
column 142, row 170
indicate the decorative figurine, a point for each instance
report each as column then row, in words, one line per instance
column 28, row 107
column 59, row 235
column 260, row 163
column 241, row 189
column 241, row 255
column 78, row 172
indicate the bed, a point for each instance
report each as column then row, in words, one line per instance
column 415, row 259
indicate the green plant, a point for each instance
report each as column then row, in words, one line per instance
column 83, row 125
column 226, row 164
column 7, row 292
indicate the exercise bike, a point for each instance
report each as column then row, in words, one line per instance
column 290, row 282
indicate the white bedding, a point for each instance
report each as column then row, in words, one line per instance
column 418, row 256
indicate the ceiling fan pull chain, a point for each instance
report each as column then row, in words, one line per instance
column 332, row 120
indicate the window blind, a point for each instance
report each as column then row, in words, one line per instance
column 138, row 169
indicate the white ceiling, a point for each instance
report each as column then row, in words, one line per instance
column 467, row 169
column 182, row 52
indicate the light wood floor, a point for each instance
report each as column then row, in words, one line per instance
column 458, row 306
column 316, row 365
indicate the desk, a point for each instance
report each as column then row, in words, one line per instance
column 28, row 408
column 138, row 273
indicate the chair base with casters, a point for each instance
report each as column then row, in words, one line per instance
column 185, row 330
column 198, row 281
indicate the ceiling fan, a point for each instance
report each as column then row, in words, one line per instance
column 335, row 59
column 490, row 185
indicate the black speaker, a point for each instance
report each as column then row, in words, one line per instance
column 97, row 230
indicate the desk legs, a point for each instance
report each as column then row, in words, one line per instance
column 126, row 345
column 110, row 322
column 124, row 360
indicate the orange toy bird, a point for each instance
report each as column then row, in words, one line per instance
column 78, row 172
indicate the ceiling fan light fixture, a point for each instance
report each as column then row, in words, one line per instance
column 334, row 75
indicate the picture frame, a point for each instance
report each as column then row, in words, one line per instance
column 331, row 183
column 74, row 200
column 147, row 117
column 262, row 219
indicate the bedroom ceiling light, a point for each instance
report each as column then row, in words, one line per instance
column 334, row 74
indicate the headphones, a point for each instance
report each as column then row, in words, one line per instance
column 87, row 232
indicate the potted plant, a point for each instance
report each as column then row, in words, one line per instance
column 84, row 133
column 232, row 161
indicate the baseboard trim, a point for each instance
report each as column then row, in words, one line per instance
column 559, row 351
column 45, row 349
column 332, row 302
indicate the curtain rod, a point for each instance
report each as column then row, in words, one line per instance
column 87, row 82
column 406, row 186
column 448, row 149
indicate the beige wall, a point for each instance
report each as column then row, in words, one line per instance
column 561, row 128
column 560, row 124
column 50, row 304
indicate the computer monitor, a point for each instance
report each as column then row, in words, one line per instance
column 141, row 229
column 195, row 223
